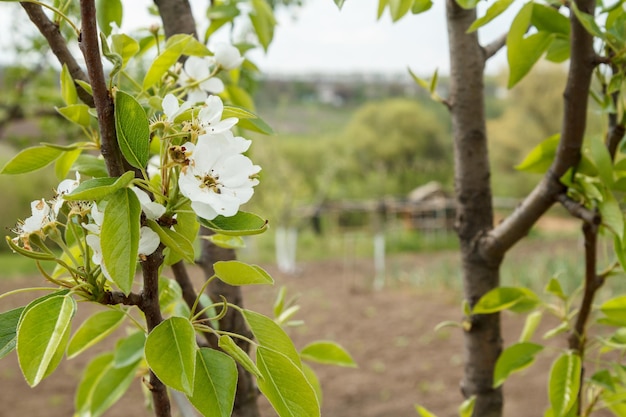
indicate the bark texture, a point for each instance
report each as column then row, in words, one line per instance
column 483, row 342
column 482, row 245
column 233, row 321
column 177, row 18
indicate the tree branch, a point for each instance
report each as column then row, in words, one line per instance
column 177, row 17
column 88, row 42
column 118, row 297
column 513, row 228
column 578, row 210
column 152, row 310
column 59, row 48
column 492, row 48
column 190, row 296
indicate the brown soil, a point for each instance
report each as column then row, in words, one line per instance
column 390, row 333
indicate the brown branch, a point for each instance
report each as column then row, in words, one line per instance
column 152, row 310
column 190, row 296
column 177, row 17
column 118, row 297
column 579, row 211
column 59, row 48
column 492, row 48
column 516, row 226
column 89, row 45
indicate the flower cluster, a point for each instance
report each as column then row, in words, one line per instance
column 198, row 74
column 215, row 175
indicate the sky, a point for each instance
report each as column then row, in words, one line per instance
column 320, row 38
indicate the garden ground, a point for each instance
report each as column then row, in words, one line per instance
column 402, row 360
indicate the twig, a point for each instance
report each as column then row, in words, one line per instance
column 118, row 297
column 152, row 310
column 492, row 48
column 177, row 17
column 190, row 296
column 59, row 48
column 579, row 211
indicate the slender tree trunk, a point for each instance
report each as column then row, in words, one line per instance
column 483, row 342
column 245, row 398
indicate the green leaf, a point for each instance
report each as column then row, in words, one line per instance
column 554, row 287
column 40, row 256
column 615, row 309
column 102, row 385
column 603, row 379
column 339, row 3
column 239, row 273
column 174, row 240
column 329, row 353
column 285, row 385
column 119, row 237
column 398, row 8
column 530, row 325
column 588, row 22
column 495, row 10
column 171, row 353
column 227, row 242
column 598, row 153
column 68, row 88
column 503, row 298
column 125, row 46
column 423, row 412
column 186, row 225
column 176, row 46
column 239, row 97
column 107, row 12
column 113, row 57
column 263, row 22
column 466, row 409
column 559, row 50
column 93, row 330
column 467, row 4
column 241, row 224
column 8, row 330
column 42, row 335
column 548, row 19
column 76, row 113
column 228, row 345
column 133, row 130
column 612, row 216
column 382, row 4
column 31, row 159
column 91, row 166
column 523, row 52
column 64, row 163
column 311, row 376
column 513, row 359
column 541, row 156
column 98, row 188
column 129, row 349
column 215, row 383
column 420, row 6
column 564, row 383
column 271, row 336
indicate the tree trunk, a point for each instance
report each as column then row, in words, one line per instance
column 233, row 321
column 483, row 342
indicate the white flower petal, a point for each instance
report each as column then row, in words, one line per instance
column 212, row 85
column 227, row 56
column 151, row 209
column 197, row 68
column 148, row 241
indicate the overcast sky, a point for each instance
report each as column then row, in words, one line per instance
column 320, row 38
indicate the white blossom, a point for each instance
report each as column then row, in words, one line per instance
column 196, row 77
column 210, row 116
column 41, row 215
column 148, row 241
column 218, row 178
column 65, row 187
column 151, row 209
column 172, row 109
column 227, row 56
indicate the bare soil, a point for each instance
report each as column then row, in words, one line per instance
column 401, row 360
